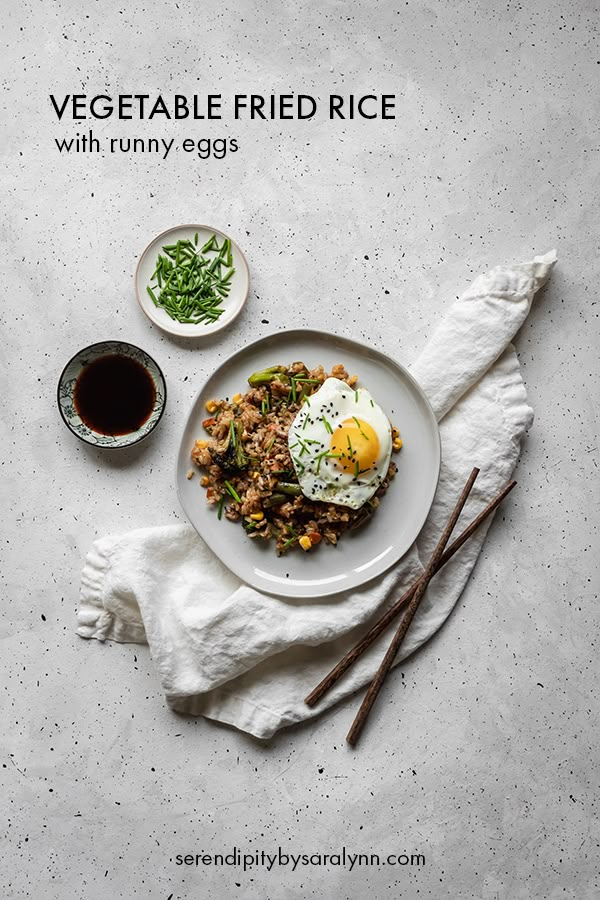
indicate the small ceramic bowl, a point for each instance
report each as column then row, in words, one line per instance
column 66, row 393
column 232, row 304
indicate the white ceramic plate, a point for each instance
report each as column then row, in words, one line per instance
column 361, row 555
column 240, row 282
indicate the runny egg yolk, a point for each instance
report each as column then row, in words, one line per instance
column 355, row 446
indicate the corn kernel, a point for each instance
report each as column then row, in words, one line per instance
column 204, row 481
column 211, row 406
column 395, row 432
column 237, row 398
column 201, row 445
column 256, row 475
column 305, row 542
column 397, row 444
column 257, row 517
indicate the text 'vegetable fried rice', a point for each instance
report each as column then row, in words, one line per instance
column 248, row 472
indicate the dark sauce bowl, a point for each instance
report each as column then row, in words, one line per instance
column 111, row 394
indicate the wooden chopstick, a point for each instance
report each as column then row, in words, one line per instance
column 369, row 638
column 387, row 661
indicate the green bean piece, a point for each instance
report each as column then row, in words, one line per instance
column 286, row 487
column 266, row 376
column 274, row 500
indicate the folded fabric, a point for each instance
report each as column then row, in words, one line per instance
column 228, row 652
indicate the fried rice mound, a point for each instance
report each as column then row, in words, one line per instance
column 247, row 469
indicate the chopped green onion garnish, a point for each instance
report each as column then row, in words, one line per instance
column 233, row 492
column 190, row 286
column 298, row 465
column 359, row 428
column 303, row 448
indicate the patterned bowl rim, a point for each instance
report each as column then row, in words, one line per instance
column 121, row 441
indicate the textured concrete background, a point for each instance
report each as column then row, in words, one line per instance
column 483, row 753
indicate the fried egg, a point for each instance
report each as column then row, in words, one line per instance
column 340, row 443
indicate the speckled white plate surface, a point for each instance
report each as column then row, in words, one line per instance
column 361, row 555
column 232, row 305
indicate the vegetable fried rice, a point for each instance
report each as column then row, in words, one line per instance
column 248, row 471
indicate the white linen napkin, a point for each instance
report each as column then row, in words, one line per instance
column 228, row 652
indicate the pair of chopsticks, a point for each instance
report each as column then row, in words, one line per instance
column 412, row 597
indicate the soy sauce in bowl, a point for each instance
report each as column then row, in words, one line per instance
column 114, row 395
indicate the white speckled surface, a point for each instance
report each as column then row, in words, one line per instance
column 483, row 752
